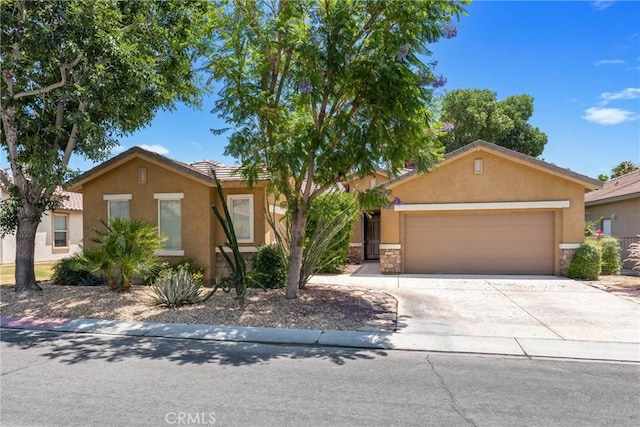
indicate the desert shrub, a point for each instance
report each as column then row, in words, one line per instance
column 329, row 227
column 124, row 249
column 176, row 287
column 269, row 269
column 69, row 271
column 187, row 264
column 610, row 249
column 585, row 263
column 634, row 255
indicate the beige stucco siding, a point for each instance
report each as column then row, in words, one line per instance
column 626, row 222
column 501, row 180
column 195, row 213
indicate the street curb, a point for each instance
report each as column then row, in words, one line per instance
column 504, row 346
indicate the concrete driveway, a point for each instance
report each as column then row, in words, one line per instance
column 539, row 307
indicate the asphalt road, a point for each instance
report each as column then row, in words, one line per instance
column 51, row 379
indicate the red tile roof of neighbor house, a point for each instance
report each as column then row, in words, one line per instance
column 70, row 201
column 620, row 188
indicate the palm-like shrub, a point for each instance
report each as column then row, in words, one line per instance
column 177, row 287
column 124, row 249
column 634, row 255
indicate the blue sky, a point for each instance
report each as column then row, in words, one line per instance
column 580, row 60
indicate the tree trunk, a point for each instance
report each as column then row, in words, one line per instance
column 25, row 249
column 298, row 229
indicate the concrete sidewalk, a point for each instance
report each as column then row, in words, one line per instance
column 510, row 346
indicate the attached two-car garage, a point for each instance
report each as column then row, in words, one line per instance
column 479, row 243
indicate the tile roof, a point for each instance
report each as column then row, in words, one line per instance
column 70, row 201
column 199, row 170
column 620, row 188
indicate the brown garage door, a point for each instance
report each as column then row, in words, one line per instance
column 508, row 243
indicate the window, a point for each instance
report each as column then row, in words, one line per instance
column 142, row 175
column 170, row 222
column 606, row 227
column 477, row 166
column 241, row 211
column 60, row 230
column 117, row 205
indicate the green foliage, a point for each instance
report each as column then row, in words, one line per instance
column 477, row 114
column 124, row 249
column 331, row 219
column 269, row 268
column 317, row 91
column 592, row 227
column 176, row 287
column 603, row 177
column 78, row 75
column 238, row 279
column 185, row 264
column 69, row 271
column 634, row 255
column 585, row 263
column 624, row 168
column 610, row 263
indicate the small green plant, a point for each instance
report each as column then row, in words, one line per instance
column 69, row 271
column 269, row 268
column 177, row 287
column 610, row 263
column 592, row 227
column 585, row 263
column 124, row 249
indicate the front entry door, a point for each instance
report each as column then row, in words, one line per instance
column 372, row 236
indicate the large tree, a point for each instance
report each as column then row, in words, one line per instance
column 318, row 90
column 76, row 75
column 624, row 168
column 471, row 114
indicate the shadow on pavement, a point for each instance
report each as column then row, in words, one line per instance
column 71, row 349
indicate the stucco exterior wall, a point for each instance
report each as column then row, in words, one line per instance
column 502, row 180
column 627, row 216
column 44, row 250
column 195, row 214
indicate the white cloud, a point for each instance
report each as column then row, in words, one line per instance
column 610, row 62
column 156, row 149
column 602, row 4
column 628, row 93
column 117, row 150
column 608, row 116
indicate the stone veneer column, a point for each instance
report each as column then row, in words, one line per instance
column 390, row 259
column 355, row 253
column 566, row 253
column 222, row 268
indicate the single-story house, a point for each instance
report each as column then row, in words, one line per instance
column 59, row 233
column 484, row 209
column 617, row 207
column 176, row 197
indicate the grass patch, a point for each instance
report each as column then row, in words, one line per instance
column 8, row 272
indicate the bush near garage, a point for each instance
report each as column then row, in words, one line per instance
column 610, row 263
column 585, row 263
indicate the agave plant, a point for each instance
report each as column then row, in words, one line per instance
column 124, row 249
column 177, row 287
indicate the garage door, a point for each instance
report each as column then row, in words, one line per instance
column 509, row 243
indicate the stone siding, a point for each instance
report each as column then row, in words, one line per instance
column 222, row 268
column 390, row 261
column 565, row 259
column 355, row 254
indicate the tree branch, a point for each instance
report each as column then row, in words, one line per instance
column 73, row 137
column 63, row 81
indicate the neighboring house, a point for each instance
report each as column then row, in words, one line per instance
column 58, row 235
column 617, row 207
column 485, row 209
column 176, row 197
